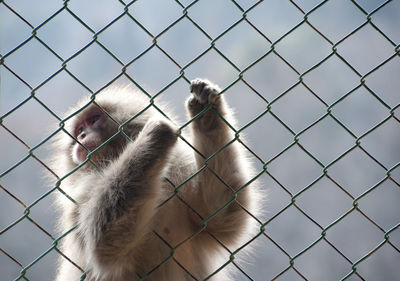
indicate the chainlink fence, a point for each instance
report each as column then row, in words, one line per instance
column 315, row 86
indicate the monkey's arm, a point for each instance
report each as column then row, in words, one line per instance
column 117, row 216
column 227, row 171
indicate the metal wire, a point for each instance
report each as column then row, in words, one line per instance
column 296, row 141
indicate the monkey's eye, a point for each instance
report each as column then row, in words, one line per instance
column 79, row 131
column 95, row 118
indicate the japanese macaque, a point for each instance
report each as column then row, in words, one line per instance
column 143, row 204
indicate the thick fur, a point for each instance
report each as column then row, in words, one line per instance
column 131, row 224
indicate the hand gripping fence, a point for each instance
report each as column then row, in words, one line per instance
column 332, row 174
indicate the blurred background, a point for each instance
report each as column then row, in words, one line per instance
column 314, row 84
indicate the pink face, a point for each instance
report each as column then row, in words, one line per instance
column 88, row 131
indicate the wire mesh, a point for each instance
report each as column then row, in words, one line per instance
column 322, row 114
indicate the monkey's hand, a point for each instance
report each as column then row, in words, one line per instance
column 205, row 93
column 160, row 134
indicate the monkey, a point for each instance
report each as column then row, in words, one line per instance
column 142, row 199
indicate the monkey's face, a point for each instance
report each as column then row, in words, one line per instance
column 91, row 128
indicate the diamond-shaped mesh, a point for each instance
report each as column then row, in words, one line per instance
column 315, row 85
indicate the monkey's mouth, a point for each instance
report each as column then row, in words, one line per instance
column 80, row 152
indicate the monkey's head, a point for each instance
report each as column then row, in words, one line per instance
column 90, row 129
column 99, row 129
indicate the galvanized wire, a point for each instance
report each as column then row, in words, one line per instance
column 265, row 164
